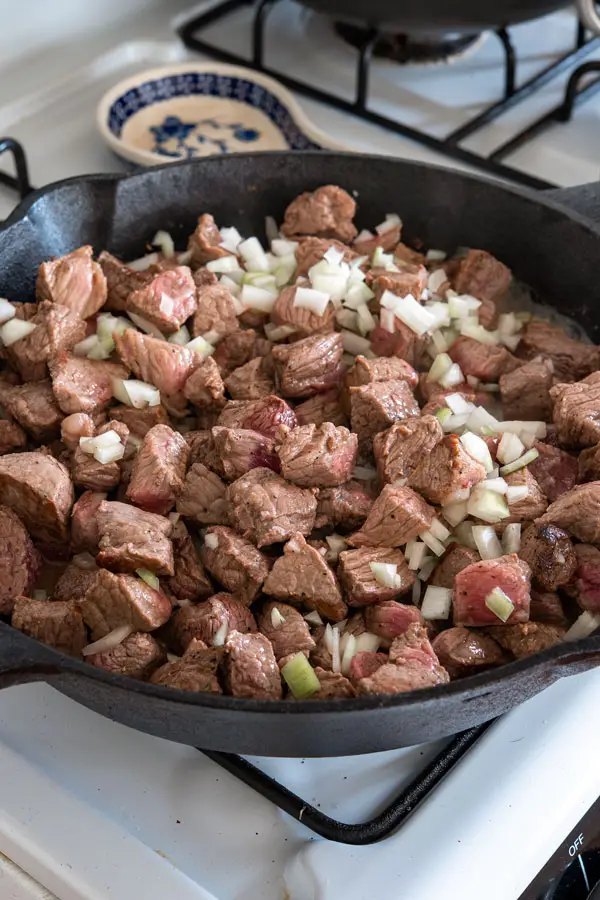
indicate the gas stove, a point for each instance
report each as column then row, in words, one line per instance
column 91, row 809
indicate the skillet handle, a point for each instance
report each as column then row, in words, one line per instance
column 20, row 181
column 584, row 655
column 584, row 199
column 22, row 659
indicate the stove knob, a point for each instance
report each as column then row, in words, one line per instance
column 575, row 883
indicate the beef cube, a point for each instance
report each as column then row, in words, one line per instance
column 375, row 407
column 38, row 488
column 365, row 664
column 166, row 366
column 205, row 387
column 235, row 563
column 92, row 475
column 484, row 361
column 166, row 301
column 326, row 213
column 525, row 392
column 334, row 686
column 74, row 281
column 447, row 473
column 554, row 470
column 413, row 648
column 304, row 321
column 393, row 679
column 84, row 524
column 528, row 638
column 309, row 366
column 195, row 671
column 159, row 470
column 20, row 562
column 438, row 397
column 534, row 503
column 399, row 450
column 241, row 450
column 190, row 582
column 397, row 516
column 322, row 408
column 203, row 496
column 203, row 621
column 302, row 576
column 236, row 349
column 577, row 511
column 481, row 275
column 411, row 280
column 462, row 652
column 575, row 412
column 133, row 539
column 371, row 371
column 549, row 552
column 311, row 250
column 589, row 464
column 57, row 624
column 216, row 311
column 402, row 342
column 344, row 507
column 455, row 559
column 140, row 421
column 586, row 581
column 12, row 437
column 115, row 600
column 572, row 359
column 83, row 385
column 288, row 637
column 321, row 456
column 390, row 618
column 251, row 667
column 320, row 655
column 121, row 281
column 75, row 581
column 202, row 449
column 367, row 245
column 253, row 380
column 34, row 407
column 476, row 582
column 546, row 607
column 358, row 581
column 205, row 242
column 57, row 329
column 137, row 657
column 74, row 427
column 267, row 510
column 270, row 416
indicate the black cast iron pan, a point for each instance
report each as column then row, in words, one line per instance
column 550, row 248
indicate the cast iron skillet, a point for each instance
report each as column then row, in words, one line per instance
column 552, row 249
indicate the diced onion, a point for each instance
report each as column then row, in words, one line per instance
column 463, row 306
column 487, row 506
column 346, row 318
column 348, row 653
column 220, row 635
column 510, row 448
column 200, row 346
column 281, row 247
column 181, row 337
column 416, row 555
column 435, row 256
column 107, row 439
column 135, row 393
column 355, row 344
column 433, row 543
column 7, row 311
column 336, row 544
column 487, row 542
column 455, row 513
column 14, row 330
column 300, row 677
column 516, row 492
column 452, row 377
column 109, row 641
column 357, row 295
column 85, row 560
column 440, row 313
column 415, row 316
column 278, row 332
column 582, row 627
column 228, row 264
column 463, row 534
column 164, row 241
column 391, row 222
column 436, row 280
column 212, row 541
column 437, row 603
column 520, row 463
column 511, row 539
column 232, row 286
column 458, row 404
column 482, row 422
column 230, row 239
column 478, row 332
column 427, row 568
column 500, row 604
column 493, row 484
column 86, row 345
column 441, row 365
column 386, row 574
column 366, row 322
column 184, row 259
column 276, row 618
column 147, row 326
column 174, row 517
column 478, row 449
column 258, row 298
column 143, row 262
column 538, row 429
column 388, row 320
column 149, row 577
column 253, row 255
column 336, row 662
column 107, row 455
column 438, row 339
column 315, row 301
column 313, row 618
column 439, row 531
column 415, row 595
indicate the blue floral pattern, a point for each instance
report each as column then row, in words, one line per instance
column 175, row 138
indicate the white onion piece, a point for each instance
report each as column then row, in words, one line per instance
column 455, row 513
column 436, row 280
column 7, row 311
column 458, row 404
column 520, row 463
column 509, row 448
column 276, row 618
column 415, row 316
column 500, row 604
column 433, row 543
column 181, row 337
column 254, row 256
column 143, row 262
column 315, row 301
column 107, row 455
column 107, row 439
column 437, row 603
column 538, row 429
column 366, row 322
column 347, row 319
column 174, row 517
column 478, row 449
column 435, row 256
column 427, row 568
column 438, row 339
column 149, row 577
column 487, row 542
column 336, row 543
column 355, row 344
column 463, row 533
column 258, row 298
column 440, row 313
column 109, row 641
column 452, row 377
column 278, row 332
column 86, row 345
column 416, row 591
column 230, row 239
column 391, row 221
column 348, row 654
column 164, row 241
column 388, row 320
column 146, row 326
column 386, row 574
column 439, row 531
column 357, row 295
column 184, row 259
column 441, row 365
column 225, row 265
column 135, row 393
column 488, row 506
column 511, row 539
column 367, row 642
column 200, row 346
column 14, row 330
column 481, row 421
column 313, row 618
column 516, row 492
column 582, row 627
column 85, row 560
column 416, row 555
column 220, row 635
column 281, row 247
column 336, row 662
column 493, row 484
column 364, row 235
column 212, row 541
column 479, row 333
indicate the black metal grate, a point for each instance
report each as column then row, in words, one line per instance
column 191, row 33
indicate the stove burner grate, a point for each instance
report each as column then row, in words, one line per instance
column 406, row 49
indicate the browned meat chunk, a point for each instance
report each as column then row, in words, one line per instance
column 92, row 475
column 534, row 503
column 74, row 427
column 554, row 470
column 375, row 407
column 334, row 686
column 413, row 647
column 19, row 560
column 235, row 563
column 74, row 281
column 203, row 450
column 209, row 621
column 370, row 371
column 390, row 618
column 411, row 280
column 203, row 496
column 83, row 385
column 578, row 512
column 137, row 657
column 367, row 245
column 290, row 636
column 549, row 552
column 309, row 366
column 393, row 679
column 159, row 470
column 252, row 380
column 84, row 525
column 438, row 397
column 133, row 539
column 58, row 329
column 205, row 242
column 397, row 516
column 447, row 473
column 525, row 392
column 485, row 361
column 121, row 281
column 241, row 450
column 34, row 407
column 365, row 664
column 195, row 671
column 12, row 437
column 57, row 624
column 399, row 450
column 140, row 421
column 216, row 311
column 114, row 600
column 251, row 667
column 403, row 343
column 589, row 464
column 167, row 301
column 302, row 576
column 190, row 581
column 548, row 608
column 474, row 583
column 586, row 581
column 576, row 412
column 75, row 581
column 454, row 561
column 311, row 250
column 38, row 488
column 304, row 321
column 528, row 638
column 326, row 213
column 321, row 456
column 481, row 275
column 358, row 581
column 321, row 408
column 270, row 416
column 236, row 349
column 268, row 510
column 345, row 507
column 166, row 366
column 572, row 359
column 463, row 652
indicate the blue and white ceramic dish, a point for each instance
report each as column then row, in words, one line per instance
column 198, row 109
